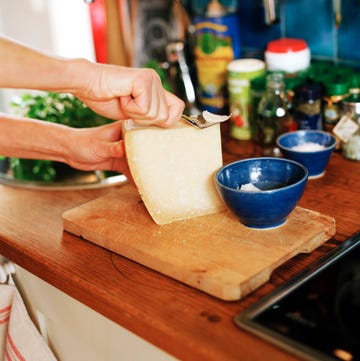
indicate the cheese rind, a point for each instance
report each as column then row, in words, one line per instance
column 173, row 169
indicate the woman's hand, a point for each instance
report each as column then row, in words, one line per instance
column 130, row 93
column 99, row 148
column 115, row 92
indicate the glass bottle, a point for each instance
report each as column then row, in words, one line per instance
column 335, row 91
column 307, row 101
column 350, row 133
column 257, row 90
column 273, row 114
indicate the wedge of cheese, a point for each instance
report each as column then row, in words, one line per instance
column 173, row 169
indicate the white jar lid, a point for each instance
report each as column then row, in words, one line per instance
column 246, row 65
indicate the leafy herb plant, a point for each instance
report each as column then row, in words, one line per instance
column 59, row 108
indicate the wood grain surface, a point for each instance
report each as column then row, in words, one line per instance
column 185, row 322
column 214, row 253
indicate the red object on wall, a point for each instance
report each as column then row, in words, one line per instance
column 98, row 24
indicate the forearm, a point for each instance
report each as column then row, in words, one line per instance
column 33, row 139
column 25, row 68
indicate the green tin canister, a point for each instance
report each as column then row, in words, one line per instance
column 240, row 72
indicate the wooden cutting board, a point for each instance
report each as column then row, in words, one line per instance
column 214, row 253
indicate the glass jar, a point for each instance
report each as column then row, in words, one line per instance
column 354, row 86
column 240, row 72
column 335, row 91
column 351, row 127
column 307, row 106
column 272, row 113
column 257, row 90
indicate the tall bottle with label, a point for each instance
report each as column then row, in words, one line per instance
column 273, row 115
column 217, row 42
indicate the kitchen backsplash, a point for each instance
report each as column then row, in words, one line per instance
column 311, row 20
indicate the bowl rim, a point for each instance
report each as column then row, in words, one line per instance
column 267, row 191
column 302, row 131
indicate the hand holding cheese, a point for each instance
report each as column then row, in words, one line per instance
column 113, row 91
column 173, row 169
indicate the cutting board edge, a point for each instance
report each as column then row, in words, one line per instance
column 227, row 291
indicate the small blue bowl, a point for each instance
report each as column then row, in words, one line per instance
column 281, row 181
column 314, row 160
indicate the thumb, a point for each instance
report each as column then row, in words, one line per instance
column 116, row 149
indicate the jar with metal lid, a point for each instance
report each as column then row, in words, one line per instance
column 354, row 83
column 348, row 128
column 335, row 91
column 307, row 106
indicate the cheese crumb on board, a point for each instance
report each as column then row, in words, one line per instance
column 173, row 169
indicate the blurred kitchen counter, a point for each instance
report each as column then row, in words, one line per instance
column 178, row 319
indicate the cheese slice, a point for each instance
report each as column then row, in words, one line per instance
column 173, row 169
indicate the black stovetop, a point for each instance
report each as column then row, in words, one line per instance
column 316, row 315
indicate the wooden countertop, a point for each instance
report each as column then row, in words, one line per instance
column 183, row 321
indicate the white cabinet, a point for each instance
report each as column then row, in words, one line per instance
column 77, row 333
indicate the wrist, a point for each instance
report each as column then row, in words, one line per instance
column 75, row 74
column 34, row 139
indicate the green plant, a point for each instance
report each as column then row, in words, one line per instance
column 59, row 108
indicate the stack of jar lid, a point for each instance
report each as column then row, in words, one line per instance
column 287, row 54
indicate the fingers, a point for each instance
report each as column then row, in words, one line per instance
column 97, row 148
column 176, row 108
column 130, row 93
column 150, row 103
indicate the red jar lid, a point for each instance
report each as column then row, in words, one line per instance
column 286, row 45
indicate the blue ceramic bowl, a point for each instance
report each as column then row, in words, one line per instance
column 281, row 181
column 314, row 160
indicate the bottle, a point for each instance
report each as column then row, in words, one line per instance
column 335, row 91
column 257, row 90
column 307, row 106
column 217, row 43
column 354, row 86
column 348, row 127
column 272, row 114
column 240, row 72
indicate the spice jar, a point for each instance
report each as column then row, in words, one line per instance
column 348, row 128
column 287, row 54
column 335, row 91
column 240, row 72
column 354, row 80
column 307, row 106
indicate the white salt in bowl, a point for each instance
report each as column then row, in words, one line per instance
column 261, row 192
column 311, row 148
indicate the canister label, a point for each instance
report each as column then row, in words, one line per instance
column 217, row 43
column 239, row 74
column 308, row 121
